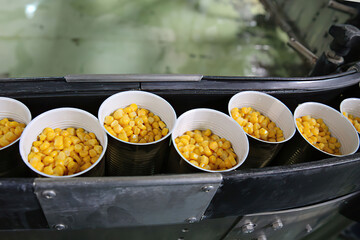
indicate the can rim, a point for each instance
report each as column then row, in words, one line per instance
column 28, row 116
column 104, row 146
column 348, row 100
column 142, row 92
column 273, row 98
column 239, row 163
column 341, row 117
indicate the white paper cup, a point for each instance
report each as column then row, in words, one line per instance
column 300, row 150
column 351, row 106
column 64, row 118
column 135, row 159
column 262, row 152
column 220, row 124
column 10, row 161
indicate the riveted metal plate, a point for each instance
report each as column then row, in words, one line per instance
column 295, row 223
column 126, row 201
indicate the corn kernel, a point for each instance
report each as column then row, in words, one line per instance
column 118, row 113
column 59, row 142
column 85, row 166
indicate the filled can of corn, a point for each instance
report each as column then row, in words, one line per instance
column 139, row 125
column 350, row 108
column 63, row 143
column 267, row 122
column 322, row 132
column 206, row 140
column 14, row 116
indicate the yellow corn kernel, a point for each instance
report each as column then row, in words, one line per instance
column 72, row 166
column 48, row 160
column 123, row 136
column 58, row 171
column 332, row 140
column 92, row 142
column 213, row 145
column 198, row 138
column 193, row 156
column 141, row 112
column 59, row 142
column 48, row 170
column 85, row 166
column 36, row 158
column 162, row 125
column 83, row 153
column 50, row 135
column 164, row 131
column 108, row 120
column 18, row 130
column 124, row 120
column 94, row 159
column 98, row 149
column 35, row 149
column 133, row 107
column 37, row 143
column 53, row 154
column 39, row 166
column 155, row 125
column 60, row 157
column 42, row 137
column 226, row 145
column 48, row 150
column 10, row 136
column 64, row 133
column 207, row 151
column 3, row 141
column 67, row 142
column 118, row 113
column 194, row 163
column 157, row 137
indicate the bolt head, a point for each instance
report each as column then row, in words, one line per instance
column 207, row 188
column 248, row 228
column 191, row 220
column 60, row 226
column 49, row 194
column 277, row 225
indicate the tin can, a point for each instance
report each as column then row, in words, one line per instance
column 10, row 160
column 262, row 152
column 64, row 118
column 220, row 124
column 301, row 150
column 135, row 159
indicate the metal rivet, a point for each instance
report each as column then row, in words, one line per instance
column 191, row 220
column 308, row 228
column 248, row 227
column 207, row 188
column 185, row 230
column 60, row 226
column 277, row 225
column 49, row 194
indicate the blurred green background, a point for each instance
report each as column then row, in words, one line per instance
column 211, row 37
